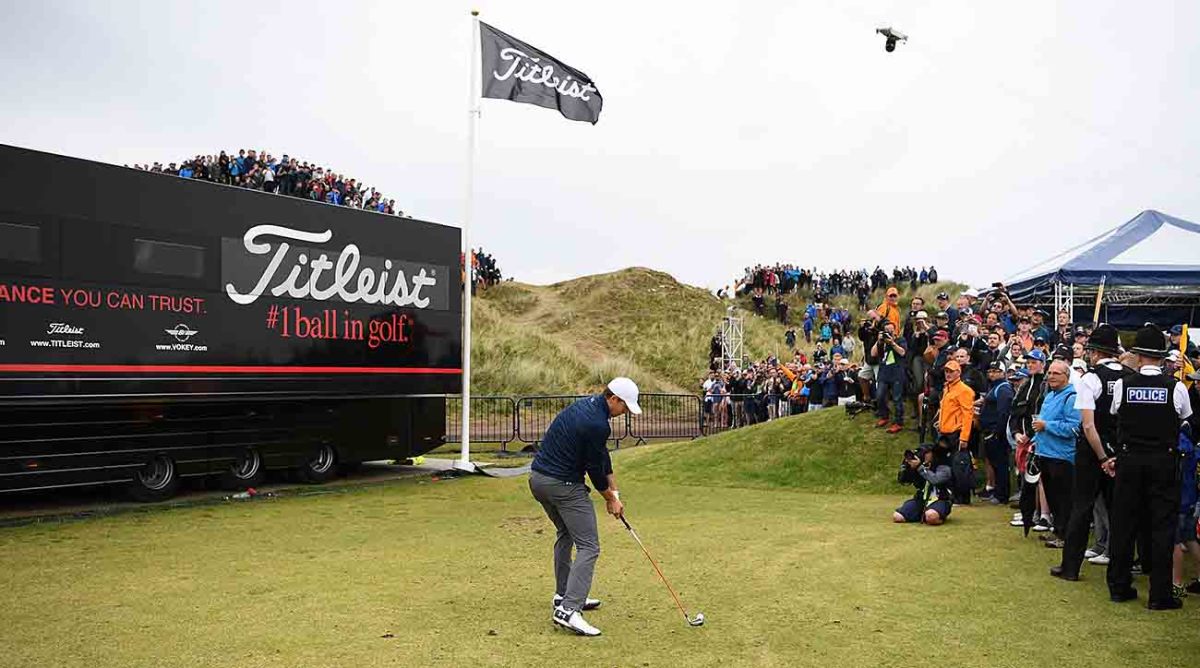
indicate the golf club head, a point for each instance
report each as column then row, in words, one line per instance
column 698, row 621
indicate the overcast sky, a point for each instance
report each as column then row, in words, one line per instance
column 732, row 133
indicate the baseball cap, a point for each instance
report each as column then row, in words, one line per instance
column 941, row 334
column 922, row 315
column 1039, row 339
column 892, row 291
column 952, row 365
column 943, row 314
column 627, row 391
column 1037, row 355
column 1177, row 330
column 972, row 292
column 997, row 365
column 1079, row 331
column 1019, row 372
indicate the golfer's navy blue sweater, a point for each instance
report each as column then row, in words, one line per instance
column 576, row 443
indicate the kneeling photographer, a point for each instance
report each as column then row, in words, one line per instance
column 927, row 469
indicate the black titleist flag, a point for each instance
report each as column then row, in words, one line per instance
column 513, row 70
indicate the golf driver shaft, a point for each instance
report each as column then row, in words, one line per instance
column 657, row 569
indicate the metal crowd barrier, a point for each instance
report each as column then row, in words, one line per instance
column 493, row 420
column 667, row 416
column 534, row 415
column 525, row 420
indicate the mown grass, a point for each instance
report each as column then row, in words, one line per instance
column 574, row 336
column 457, row 573
column 824, row 451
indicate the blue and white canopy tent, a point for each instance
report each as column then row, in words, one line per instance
column 1146, row 270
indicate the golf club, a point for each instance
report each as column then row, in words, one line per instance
column 699, row 619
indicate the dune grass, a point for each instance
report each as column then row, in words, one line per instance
column 457, row 573
column 574, row 336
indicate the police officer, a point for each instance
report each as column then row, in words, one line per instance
column 1150, row 406
column 1093, row 399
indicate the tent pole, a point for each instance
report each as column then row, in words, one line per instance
column 1099, row 298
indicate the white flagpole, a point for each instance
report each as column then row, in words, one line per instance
column 464, row 461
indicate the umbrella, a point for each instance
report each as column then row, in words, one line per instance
column 1030, row 475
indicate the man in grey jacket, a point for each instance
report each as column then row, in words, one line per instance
column 575, row 444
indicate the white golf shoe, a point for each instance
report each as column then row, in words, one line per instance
column 573, row 621
column 588, row 604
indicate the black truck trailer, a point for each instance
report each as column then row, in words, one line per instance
column 154, row 327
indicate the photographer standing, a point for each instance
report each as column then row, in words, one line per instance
column 928, row 470
column 890, row 351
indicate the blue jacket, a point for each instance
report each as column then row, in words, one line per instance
column 577, row 443
column 1057, row 440
column 997, row 405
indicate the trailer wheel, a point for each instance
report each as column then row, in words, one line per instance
column 322, row 466
column 156, row 481
column 246, row 471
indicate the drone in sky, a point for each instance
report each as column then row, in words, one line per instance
column 892, row 36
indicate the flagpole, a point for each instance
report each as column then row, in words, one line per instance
column 464, row 461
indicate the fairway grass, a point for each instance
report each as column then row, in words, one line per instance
column 457, row 573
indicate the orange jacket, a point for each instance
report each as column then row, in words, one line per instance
column 889, row 312
column 958, row 409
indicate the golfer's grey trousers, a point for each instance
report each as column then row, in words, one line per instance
column 568, row 505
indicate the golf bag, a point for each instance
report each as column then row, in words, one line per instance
column 962, row 468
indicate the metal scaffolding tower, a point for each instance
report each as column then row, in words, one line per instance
column 731, row 339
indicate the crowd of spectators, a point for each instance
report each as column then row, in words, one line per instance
column 1018, row 390
column 259, row 170
column 984, row 380
column 778, row 281
column 485, row 272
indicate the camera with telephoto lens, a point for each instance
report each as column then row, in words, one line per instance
column 855, row 407
column 907, row 475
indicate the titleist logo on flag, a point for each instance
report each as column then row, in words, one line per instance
column 514, row 70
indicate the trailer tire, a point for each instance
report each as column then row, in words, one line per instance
column 246, row 471
column 156, row 481
column 322, row 466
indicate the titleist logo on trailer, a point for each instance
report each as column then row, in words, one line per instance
column 63, row 328
column 264, row 262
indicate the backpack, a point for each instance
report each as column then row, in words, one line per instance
column 962, row 482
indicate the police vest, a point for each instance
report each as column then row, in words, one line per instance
column 1148, row 421
column 1106, row 422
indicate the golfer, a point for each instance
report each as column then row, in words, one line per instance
column 576, row 443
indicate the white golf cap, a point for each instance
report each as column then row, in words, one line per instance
column 627, row 391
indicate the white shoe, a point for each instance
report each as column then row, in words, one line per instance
column 1017, row 515
column 588, row 604
column 573, row 621
column 1099, row 560
column 1018, row 522
column 1090, row 553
